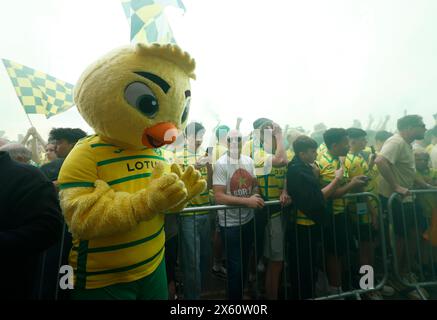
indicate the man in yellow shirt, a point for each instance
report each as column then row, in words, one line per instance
column 335, row 222
column 362, row 210
column 257, row 137
column 270, row 168
column 194, row 227
column 250, row 149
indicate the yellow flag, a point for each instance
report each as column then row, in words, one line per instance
column 39, row 92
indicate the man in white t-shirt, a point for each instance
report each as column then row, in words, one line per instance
column 234, row 184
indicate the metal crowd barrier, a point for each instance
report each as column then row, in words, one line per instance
column 317, row 261
column 255, row 255
column 290, row 288
column 417, row 258
column 358, row 235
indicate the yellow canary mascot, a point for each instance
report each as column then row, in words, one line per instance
column 116, row 185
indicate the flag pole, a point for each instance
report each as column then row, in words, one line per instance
column 34, row 142
column 28, row 118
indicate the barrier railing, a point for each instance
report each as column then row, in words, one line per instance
column 246, row 236
column 365, row 246
column 294, row 263
column 243, row 249
column 413, row 254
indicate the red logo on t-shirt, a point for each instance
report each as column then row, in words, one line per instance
column 241, row 183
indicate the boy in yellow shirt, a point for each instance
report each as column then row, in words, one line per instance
column 362, row 210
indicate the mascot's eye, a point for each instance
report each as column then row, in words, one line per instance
column 139, row 96
column 186, row 110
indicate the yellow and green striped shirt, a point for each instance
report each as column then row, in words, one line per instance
column 328, row 165
column 321, row 150
column 356, row 166
column 123, row 257
column 186, row 158
column 270, row 179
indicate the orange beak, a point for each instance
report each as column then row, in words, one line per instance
column 159, row 135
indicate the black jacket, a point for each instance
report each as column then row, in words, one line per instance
column 51, row 169
column 304, row 189
column 30, row 222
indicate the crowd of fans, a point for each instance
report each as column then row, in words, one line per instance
column 302, row 237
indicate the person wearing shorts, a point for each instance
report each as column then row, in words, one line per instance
column 270, row 167
column 274, row 237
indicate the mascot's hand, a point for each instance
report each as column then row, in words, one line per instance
column 193, row 182
column 192, row 179
column 165, row 191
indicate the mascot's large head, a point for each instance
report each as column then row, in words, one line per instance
column 137, row 96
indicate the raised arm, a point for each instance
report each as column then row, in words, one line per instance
column 279, row 159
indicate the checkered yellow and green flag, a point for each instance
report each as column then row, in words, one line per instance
column 147, row 20
column 39, row 92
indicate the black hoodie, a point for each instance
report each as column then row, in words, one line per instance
column 305, row 190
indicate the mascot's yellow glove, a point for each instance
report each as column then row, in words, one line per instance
column 101, row 211
column 164, row 192
column 194, row 183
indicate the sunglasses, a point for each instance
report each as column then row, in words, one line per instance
column 234, row 140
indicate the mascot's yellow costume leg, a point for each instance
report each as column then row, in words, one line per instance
column 116, row 186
